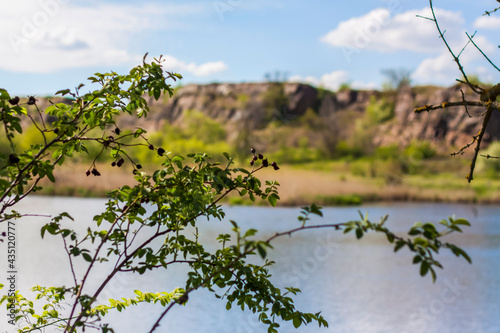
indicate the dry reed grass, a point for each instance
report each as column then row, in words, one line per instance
column 297, row 186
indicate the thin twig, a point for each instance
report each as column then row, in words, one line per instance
column 476, row 89
column 480, row 135
column 479, row 49
column 465, row 103
column 445, row 105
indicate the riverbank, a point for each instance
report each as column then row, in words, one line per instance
column 327, row 184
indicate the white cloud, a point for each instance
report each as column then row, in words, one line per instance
column 381, row 31
column 50, row 35
column 437, row 70
column 333, row 81
column 308, row 79
column 443, row 70
column 205, row 69
column 487, row 22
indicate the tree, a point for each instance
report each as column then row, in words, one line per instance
column 180, row 191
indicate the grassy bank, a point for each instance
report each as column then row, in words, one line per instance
column 327, row 183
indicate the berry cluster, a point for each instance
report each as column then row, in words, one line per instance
column 15, row 100
column 94, row 172
column 265, row 162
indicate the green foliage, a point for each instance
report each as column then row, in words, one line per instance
column 489, row 163
column 274, row 97
column 340, row 200
column 425, row 243
column 345, row 86
column 196, row 124
column 345, row 149
column 419, row 150
column 379, row 110
column 198, row 133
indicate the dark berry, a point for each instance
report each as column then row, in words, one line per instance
column 265, row 163
column 14, row 101
column 95, row 172
column 151, row 147
column 87, row 173
column 13, row 158
column 252, row 150
column 120, row 162
column 31, row 100
column 135, row 172
column 56, row 130
column 255, row 158
column 275, row 166
column 252, row 162
column 161, row 151
column 138, row 166
column 260, row 156
column 117, row 131
column 113, row 163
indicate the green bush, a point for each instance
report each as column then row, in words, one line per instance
column 387, row 152
column 379, row 110
column 419, row 150
column 490, row 167
column 344, row 149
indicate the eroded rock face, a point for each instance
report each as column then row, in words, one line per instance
column 248, row 104
column 450, row 127
column 229, row 102
column 245, row 102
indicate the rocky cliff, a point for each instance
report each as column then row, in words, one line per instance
column 256, row 104
column 253, row 106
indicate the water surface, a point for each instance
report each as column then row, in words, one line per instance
column 360, row 286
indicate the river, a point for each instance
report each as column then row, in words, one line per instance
column 359, row 285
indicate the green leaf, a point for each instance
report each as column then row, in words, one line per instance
column 53, row 313
column 273, row 199
column 4, row 94
column 459, row 252
column 297, row 322
column 249, row 233
column 262, row 251
column 461, row 222
column 87, row 257
column 359, row 233
column 399, row 245
column 63, row 92
column 316, row 210
column 424, row 268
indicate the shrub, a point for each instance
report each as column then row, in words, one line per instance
column 379, row 110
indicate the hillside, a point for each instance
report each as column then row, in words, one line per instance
column 253, row 107
column 345, row 147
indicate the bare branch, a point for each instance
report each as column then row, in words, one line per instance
column 445, row 105
column 480, row 135
column 455, row 58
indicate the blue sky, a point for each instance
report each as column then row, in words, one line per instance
column 48, row 45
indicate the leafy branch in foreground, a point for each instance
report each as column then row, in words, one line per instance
column 156, row 223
